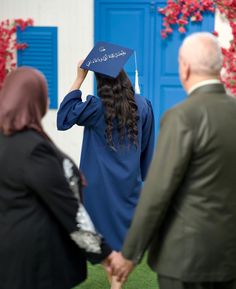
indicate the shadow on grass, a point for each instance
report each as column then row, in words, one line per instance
column 141, row 278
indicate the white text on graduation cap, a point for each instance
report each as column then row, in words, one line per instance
column 106, row 57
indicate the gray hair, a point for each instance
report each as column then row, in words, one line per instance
column 203, row 53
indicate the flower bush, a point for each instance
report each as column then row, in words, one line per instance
column 228, row 8
column 9, row 45
column 180, row 12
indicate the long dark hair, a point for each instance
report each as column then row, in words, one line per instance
column 121, row 111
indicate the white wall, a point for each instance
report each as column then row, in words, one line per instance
column 74, row 19
column 224, row 30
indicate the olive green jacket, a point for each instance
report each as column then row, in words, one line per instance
column 186, row 216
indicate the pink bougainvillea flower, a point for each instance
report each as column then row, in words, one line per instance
column 182, row 29
column 163, row 34
column 182, row 21
column 180, row 12
column 215, row 33
column 9, row 45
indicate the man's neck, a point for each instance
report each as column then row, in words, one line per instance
column 200, row 81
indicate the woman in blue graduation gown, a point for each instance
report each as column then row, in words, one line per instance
column 117, row 149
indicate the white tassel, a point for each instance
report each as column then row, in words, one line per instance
column 136, row 85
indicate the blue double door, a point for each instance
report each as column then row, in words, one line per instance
column 137, row 24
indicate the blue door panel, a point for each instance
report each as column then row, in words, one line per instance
column 128, row 25
column 170, row 96
column 166, row 68
column 137, row 25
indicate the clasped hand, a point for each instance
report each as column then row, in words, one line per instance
column 117, row 265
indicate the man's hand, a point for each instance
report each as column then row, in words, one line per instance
column 107, row 263
column 120, row 266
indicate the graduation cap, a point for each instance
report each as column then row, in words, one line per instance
column 108, row 59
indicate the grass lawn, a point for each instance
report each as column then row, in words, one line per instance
column 141, row 278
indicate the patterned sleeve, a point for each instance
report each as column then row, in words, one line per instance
column 58, row 188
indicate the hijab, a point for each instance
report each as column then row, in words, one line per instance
column 23, row 101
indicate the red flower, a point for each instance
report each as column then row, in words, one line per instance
column 8, row 44
column 182, row 29
column 163, row 34
column 215, row 33
column 168, row 30
column 179, row 12
column 182, row 21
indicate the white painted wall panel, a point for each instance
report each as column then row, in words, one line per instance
column 224, row 30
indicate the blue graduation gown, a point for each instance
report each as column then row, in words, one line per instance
column 114, row 176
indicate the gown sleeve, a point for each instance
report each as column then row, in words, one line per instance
column 73, row 110
column 45, row 177
column 148, row 139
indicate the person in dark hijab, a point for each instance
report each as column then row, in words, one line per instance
column 46, row 235
column 24, row 101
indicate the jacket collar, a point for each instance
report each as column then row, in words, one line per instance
column 208, row 88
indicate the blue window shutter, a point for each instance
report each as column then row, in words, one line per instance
column 41, row 53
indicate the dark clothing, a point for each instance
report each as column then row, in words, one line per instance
column 187, row 212
column 170, row 283
column 37, row 215
column 114, row 175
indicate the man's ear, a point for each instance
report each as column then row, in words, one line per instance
column 186, row 71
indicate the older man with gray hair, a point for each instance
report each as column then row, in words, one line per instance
column 186, row 216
